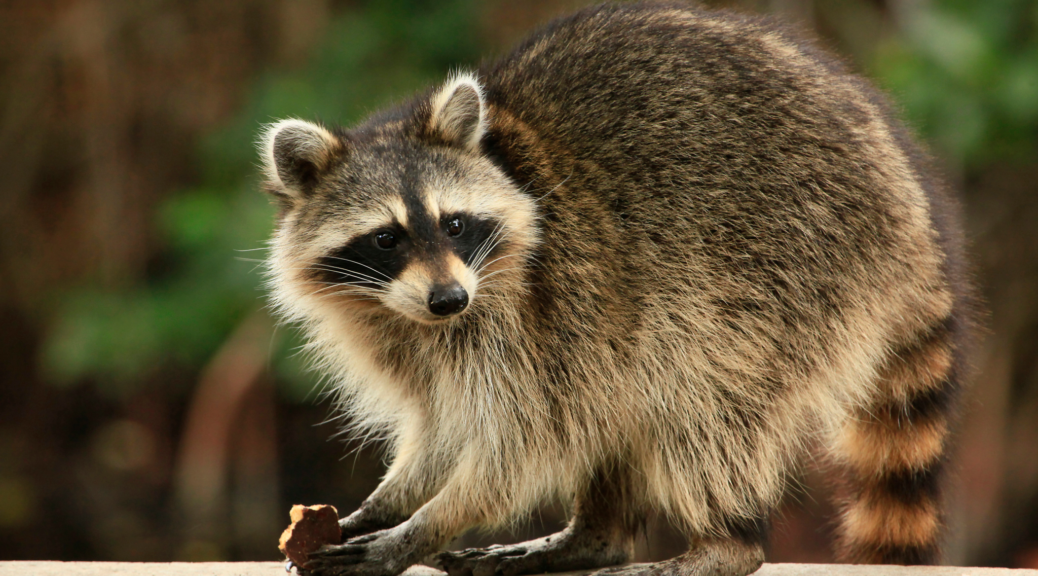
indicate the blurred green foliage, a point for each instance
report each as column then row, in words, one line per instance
column 213, row 235
column 966, row 73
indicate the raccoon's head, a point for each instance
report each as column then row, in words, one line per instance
column 400, row 215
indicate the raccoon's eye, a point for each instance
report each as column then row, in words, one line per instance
column 385, row 240
column 455, row 227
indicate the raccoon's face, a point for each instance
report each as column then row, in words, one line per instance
column 403, row 215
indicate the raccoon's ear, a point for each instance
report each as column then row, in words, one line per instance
column 458, row 114
column 294, row 153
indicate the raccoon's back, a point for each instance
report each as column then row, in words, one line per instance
column 674, row 99
column 694, row 159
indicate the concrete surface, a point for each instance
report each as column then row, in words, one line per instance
column 278, row 569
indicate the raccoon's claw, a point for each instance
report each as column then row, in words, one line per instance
column 479, row 561
column 336, row 550
column 566, row 551
column 383, row 553
column 497, row 550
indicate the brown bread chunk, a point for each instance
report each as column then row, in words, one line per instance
column 311, row 528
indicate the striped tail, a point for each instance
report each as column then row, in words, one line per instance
column 893, row 455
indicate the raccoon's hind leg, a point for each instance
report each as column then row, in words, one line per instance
column 601, row 533
column 892, row 454
column 741, row 553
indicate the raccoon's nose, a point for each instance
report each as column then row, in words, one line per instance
column 447, row 300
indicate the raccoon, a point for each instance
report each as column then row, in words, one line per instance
column 639, row 264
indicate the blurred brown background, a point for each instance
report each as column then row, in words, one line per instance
column 149, row 410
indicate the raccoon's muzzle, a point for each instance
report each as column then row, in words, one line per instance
column 448, row 299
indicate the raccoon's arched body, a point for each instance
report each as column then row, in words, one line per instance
column 639, row 262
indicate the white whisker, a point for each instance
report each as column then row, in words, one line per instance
column 386, row 276
column 564, row 180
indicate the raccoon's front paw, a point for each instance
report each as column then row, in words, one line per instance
column 569, row 550
column 363, row 522
column 384, row 553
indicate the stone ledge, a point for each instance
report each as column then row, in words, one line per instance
column 278, row 569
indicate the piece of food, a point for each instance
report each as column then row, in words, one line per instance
column 311, row 528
